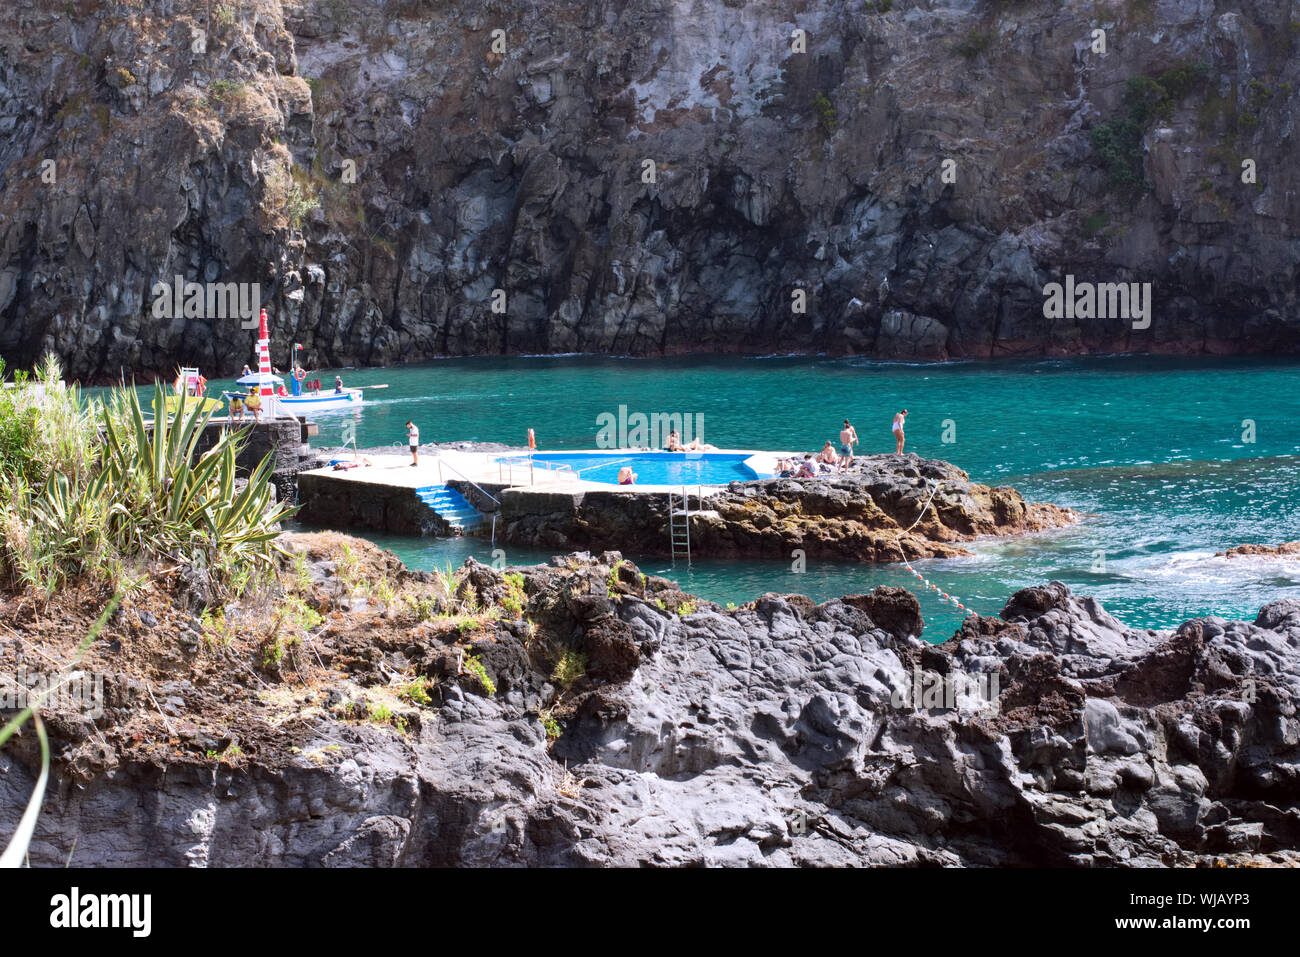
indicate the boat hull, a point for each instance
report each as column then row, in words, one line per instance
column 173, row 402
column 324, row 402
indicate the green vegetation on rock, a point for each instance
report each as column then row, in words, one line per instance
column 90, row 489
column 1147, row 98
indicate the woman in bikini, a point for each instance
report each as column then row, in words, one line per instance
column 898, row 432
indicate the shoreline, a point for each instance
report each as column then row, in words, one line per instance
column 146, row 375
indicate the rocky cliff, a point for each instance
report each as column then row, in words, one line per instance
column 401, row 180
column 598, row 716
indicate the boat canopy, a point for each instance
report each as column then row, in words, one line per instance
column 259, row 378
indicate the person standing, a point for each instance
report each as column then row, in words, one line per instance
column 898, row 432
column 848, row 438
column 413, row 436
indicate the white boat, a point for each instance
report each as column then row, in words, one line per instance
column 269, row 385
column 313, row 402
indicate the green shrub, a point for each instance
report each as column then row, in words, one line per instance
column 570, row 667
column 515, row 599
column 219, row 90
column 1118, row 141
column 475, row 667
column 89, row 488
column 827, row 118
column 416, row 691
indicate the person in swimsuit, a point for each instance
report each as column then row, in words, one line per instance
column 848, row 438
column 673, row 444
column 898, row 432
column 827, row 454
column 626, row 476
column 807, row 469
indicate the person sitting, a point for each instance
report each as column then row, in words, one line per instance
column 626, row 476
column 827, row 454
column 254, row 403
column 674, row 444
column 698, row 446
column 806, row 468
column 236, row 408
column 246, row 371
column 280, row 390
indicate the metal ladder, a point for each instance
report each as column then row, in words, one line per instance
column 679, row 525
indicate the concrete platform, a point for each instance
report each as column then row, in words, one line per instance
column 381, row 495
column 483, row 468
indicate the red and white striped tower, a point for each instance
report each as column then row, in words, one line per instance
column 264, row 362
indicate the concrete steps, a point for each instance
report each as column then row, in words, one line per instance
column 452, row 507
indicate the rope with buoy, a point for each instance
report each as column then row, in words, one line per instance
column 953, row 599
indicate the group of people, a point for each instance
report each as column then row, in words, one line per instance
column 252, row 402
column 828, row 461
column 298, row 380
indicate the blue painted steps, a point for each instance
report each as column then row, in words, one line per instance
column 451, row 506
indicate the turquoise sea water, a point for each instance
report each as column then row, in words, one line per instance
column 1169, row 459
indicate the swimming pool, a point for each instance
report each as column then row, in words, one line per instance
column 653, row 468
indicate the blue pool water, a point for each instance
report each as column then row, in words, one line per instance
column 654, row 468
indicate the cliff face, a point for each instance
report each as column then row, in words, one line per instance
column 379, row 169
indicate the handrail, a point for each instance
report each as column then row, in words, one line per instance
column 626, row 458
column 510, row 460
column 466, row 478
